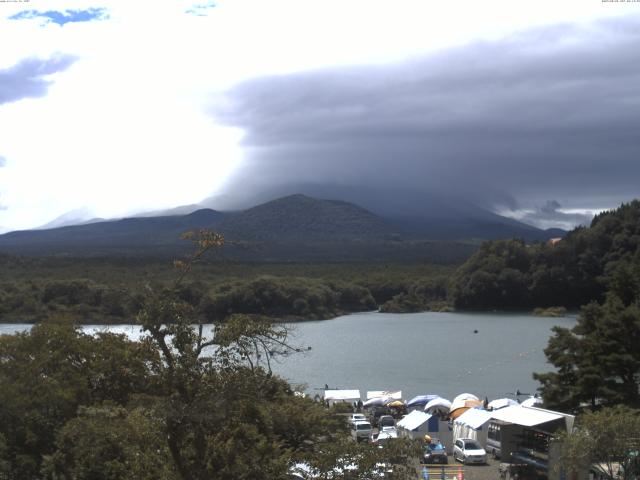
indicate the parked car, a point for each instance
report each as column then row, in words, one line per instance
column 384, row 435
column 467, row 450
column 434, row 452
column 356, row 417
column 361, row 430
column 378, row 412
column 386, row 421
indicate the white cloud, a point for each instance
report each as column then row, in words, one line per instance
column 552, row 215
column 121, row 131
column 124, row 128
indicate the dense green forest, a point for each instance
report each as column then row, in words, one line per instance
column 501, row 275
column 110, row 290
column 509, row 274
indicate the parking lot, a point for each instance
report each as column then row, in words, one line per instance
column 470, row 472
column 489, row 471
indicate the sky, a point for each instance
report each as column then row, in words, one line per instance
column 530, row 109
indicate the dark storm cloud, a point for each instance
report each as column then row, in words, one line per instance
column 550, row 113
column 28, row 77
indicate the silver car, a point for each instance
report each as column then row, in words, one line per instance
column 356, row 417
column 467, row 450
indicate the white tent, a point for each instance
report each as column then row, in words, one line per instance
column 415, row 424
column 377, row 402
column 461, row 404
column 501, row 403
column 438, row 404
column 464, row 396
column 531, row 416
column 337, row 396
column 392, row 395
column 531, row 402
column 471, row 424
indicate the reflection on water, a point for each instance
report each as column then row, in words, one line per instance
column 417, row 353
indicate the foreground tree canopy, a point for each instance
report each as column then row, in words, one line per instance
column 597, row 362
column 606, row 442
column 177, row 404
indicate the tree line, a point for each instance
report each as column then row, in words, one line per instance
column 32, row 290
column 581, row 268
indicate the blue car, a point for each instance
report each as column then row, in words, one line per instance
column 434, row 452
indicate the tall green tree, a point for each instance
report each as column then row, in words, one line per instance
column 110, row 442
column 46, row 374
column 607, row 442
column 223, row 413
column 597, row 361
column 496, row 276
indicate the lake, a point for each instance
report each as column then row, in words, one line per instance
column 417, row 353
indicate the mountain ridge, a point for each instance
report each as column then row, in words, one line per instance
column 295, row 227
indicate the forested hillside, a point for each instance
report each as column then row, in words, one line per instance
column 508, row 274
column 111, row 290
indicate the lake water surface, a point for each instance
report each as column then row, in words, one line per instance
column 417, row 353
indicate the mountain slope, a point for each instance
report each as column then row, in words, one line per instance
column 419, row 214
column 298, row 218
column 292, row 228
column 142, row 232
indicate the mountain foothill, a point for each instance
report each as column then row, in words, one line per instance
column 291, row 228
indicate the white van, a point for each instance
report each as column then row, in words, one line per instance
column 361, row 430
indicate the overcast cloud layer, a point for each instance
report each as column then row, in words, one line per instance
column 532, row 126
column 115, row 109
